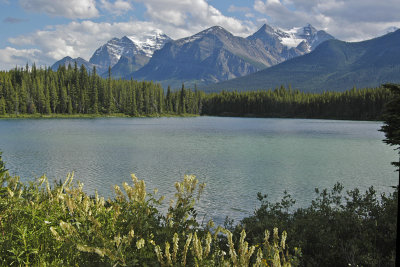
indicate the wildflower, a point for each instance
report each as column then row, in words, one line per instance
column 185, row 250
column 167, row 253
column 175, row 247
column 283, row 240
column 140, row 243
column 208, row 244
column 132, row 233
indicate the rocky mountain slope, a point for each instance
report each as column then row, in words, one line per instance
column 215, row 55
column 137, row 50
column 333, row 65
column 210, row 56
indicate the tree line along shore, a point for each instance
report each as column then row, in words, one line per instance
column 76, row 92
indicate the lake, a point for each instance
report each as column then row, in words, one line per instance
column 236, row 157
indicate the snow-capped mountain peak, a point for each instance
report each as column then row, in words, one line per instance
column 129, row 46
column 148, row 43
column 306, row 37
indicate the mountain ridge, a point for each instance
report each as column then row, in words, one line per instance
column 215, row 54
column 333, row 65
column 209, row 56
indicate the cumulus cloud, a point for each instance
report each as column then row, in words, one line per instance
column 77, row 39
column 11, row 57
column 351, row 20
column 193, row 16
column 118, row 7
column 73, row 9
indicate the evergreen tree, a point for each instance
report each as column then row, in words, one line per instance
column 168, row 104
column 182, row 100
column 110, row 97
column 70, row 109
column 2, row 106
column 94, row 92
column 53, row 96
column 391, row 128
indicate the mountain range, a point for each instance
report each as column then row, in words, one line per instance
column 215, row 55
column 210, row 56
column 117, row 52
column 333, row 66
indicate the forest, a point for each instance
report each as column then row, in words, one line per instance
column 76, row 90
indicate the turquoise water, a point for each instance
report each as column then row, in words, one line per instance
column 236, row 157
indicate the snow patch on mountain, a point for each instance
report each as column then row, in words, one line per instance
column 293, row 37
column 290, row 38
column 129, row 46
column 149, row 42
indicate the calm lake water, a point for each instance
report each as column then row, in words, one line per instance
column 236, row 157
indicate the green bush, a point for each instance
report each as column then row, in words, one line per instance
column 337, row 229
column 61, row 225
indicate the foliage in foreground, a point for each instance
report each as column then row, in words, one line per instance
column 337, row 229
column 63, row 226
column 43, row 226
column 391, row 119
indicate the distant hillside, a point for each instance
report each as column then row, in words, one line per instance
column 334, row 65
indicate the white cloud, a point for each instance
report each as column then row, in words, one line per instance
column 73, row 9
column 118, row 7
column 80, row 39
column 350, row 20
column 77, row 38
column 192, row 16
column 11, row 57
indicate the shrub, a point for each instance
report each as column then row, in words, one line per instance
column 61, row 225
column 337, row 229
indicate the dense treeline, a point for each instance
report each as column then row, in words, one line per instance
column 73, row 90
column 359, row 104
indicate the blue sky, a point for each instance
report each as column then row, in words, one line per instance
column 44, row 31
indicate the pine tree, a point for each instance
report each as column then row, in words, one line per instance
column 182, row 102
column 70, row 110
column 169, row 100
column 391, row 128
column 2, row 106
column 53, row 96
column 94, row 92
column 110, row 97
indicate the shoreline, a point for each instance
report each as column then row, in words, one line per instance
column 88, row 116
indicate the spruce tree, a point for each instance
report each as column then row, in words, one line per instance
column 391, row 128
column 182, row 102
column 95, row 93
column 110, row 97
column 2, row 106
